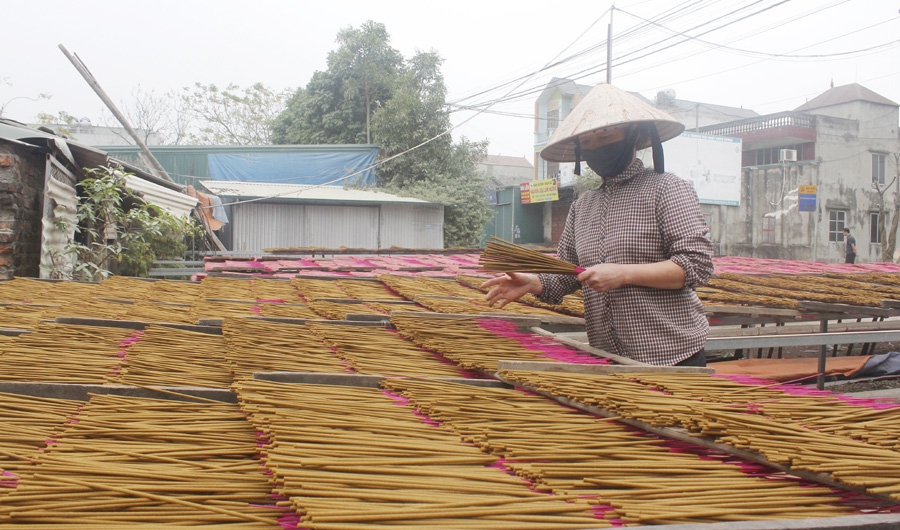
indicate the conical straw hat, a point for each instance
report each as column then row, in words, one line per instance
column 602, row 112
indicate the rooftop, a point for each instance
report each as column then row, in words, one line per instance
column 500, row 160
column 300, row 192
column 844, row 94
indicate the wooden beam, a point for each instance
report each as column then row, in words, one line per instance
column 573, row 368
column 712, row 310
column 95, row 86
column 597, row 352
column 136, row 324
column 14, row 332
column 361, row 380
column 356, row 301
column 525, row 321
column 845, row 309
column 382, row 323
column 82, row 392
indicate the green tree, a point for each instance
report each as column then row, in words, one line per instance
column 422, row 160
column 233, row 116
column 369, row 93
column 337, row 105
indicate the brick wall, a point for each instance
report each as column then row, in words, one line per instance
column 21, row 208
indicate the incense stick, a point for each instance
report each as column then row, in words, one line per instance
column 503, row 256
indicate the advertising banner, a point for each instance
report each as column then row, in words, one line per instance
column 540, row 191
column 711, row 163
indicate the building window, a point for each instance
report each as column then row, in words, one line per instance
column 768, row 229
column 771, row 155
column 552, row 119
column 878, row 168
column 837, row 219
column 874, row 234
column 552, row 170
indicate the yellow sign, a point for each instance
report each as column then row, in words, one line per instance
column 544, row 190
column 807, row 190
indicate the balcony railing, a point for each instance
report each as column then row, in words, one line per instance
column 771, row 121
column 541, row 137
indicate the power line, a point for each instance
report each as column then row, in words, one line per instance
column 782, row 55
column 656, row 24
column 582, row 74
column 596, row 68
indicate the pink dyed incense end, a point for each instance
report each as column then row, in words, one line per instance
column 9, row 480
column 579, row 270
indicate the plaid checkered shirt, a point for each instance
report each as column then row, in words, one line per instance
column 639, row 217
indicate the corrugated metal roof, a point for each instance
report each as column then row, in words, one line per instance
column 296, row 192
column 177, row 203
column 80, row 155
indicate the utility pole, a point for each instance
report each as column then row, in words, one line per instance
column 89, row 77
column 86, row 74
column 609, row 46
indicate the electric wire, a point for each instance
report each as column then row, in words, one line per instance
column 514, row 94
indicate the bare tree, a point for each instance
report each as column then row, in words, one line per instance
column 203, row 114
column 889, row 243
column 162, row 117
column 5, row 104
column 233, row 116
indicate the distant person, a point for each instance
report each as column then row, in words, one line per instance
column 640, row 236
column 851, row 246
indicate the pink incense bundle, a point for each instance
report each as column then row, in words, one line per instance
column 503, row 256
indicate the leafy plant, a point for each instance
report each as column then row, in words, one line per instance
column 116, row 231
column 588, row 180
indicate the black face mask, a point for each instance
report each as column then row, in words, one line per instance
column 611, row 159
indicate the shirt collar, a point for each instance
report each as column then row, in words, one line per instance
column 636, row 167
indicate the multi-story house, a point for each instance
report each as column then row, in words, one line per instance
column 554, row 103
column 809, row 173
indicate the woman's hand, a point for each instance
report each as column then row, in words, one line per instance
column 608, row 276
column 510, row 287
column 604, row 276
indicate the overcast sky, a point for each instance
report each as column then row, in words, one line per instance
column 770, row 56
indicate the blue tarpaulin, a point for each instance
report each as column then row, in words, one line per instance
column 314, row 167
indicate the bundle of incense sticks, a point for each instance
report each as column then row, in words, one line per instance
column 503, row 256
